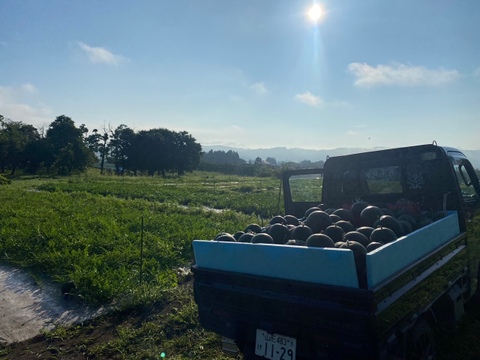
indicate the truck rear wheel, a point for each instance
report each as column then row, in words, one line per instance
column 422, row 345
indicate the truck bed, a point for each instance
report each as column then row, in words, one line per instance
column 327, row 321
column 328, row 266
column 301, row 292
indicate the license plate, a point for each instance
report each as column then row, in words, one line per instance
column 274, row 346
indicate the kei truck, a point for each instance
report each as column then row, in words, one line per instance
column 371, row 255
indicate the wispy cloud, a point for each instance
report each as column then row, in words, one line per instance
column 16, row 103
column 99, row 55
column 259, row 88
column 400, row 75
column 309, row 99
column 29, row 88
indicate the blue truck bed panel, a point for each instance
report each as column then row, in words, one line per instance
column 395, row 256
column 316, row 265
column 324, row 266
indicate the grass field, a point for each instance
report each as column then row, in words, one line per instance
column 121, row 241
column 101, row 231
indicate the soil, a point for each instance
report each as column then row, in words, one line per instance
column 95, row 331
column 27, row 310
column 30, row 305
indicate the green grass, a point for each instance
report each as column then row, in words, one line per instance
column 176, row 333
column 243, row 194
column 88, row 229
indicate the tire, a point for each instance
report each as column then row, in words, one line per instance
column 422, row 342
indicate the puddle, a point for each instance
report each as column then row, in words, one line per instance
column 204, row 208
column 26, row 308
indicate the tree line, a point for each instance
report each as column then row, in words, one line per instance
column 64, row 149
column 230, row 163
column 223, row 157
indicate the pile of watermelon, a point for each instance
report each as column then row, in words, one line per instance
column 362, row 227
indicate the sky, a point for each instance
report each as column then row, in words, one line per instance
column 250, row 73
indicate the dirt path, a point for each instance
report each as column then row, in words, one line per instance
column 27, row 308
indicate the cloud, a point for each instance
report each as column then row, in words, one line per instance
column 259, row 88
column 16, row 104
column 99, row 55
column 309, row 99
column 28, row 88
column 400, row 75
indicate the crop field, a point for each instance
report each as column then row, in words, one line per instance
column 91, row 229
column 121, row 240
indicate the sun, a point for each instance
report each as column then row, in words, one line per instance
column 316, row 13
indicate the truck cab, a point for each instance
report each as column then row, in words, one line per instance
column 420, row 174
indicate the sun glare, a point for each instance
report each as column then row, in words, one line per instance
column 316, row 13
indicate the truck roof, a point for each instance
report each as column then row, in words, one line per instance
column 453, row 151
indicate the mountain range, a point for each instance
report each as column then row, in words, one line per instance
column 283, row 154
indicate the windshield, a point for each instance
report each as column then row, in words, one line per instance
column 306, row 188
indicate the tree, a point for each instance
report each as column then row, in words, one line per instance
column 258, row 160
column 162, row 150
column 120, row 143
column 98, row 143
column 152, row 151
column 187, row 152
column 69, row 152
column 222, row 157
column 14, row 139
column 271, row 161
column 38, row 155
column 155, row 150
